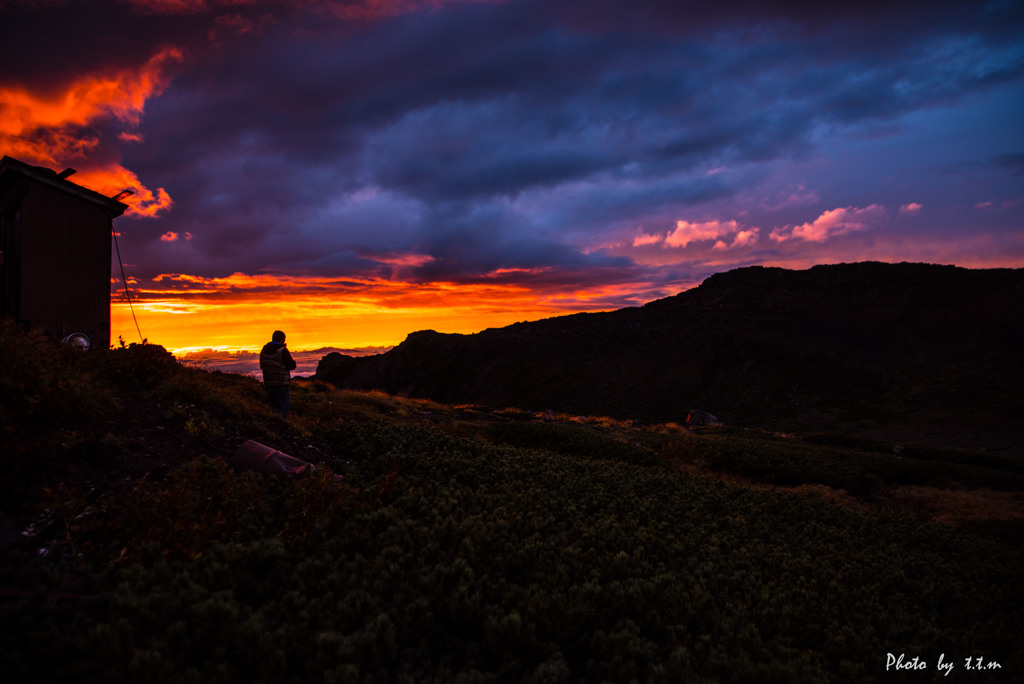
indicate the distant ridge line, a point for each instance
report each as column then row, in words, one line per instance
column 905, row 351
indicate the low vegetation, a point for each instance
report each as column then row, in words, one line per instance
column 449, row 543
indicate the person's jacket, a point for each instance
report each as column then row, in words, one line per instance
column 276, row 363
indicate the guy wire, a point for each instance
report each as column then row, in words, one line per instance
column 124, row 280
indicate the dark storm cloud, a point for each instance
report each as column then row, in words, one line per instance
column 865, row 24
column 465, row 110
column 497, row 136
column 57, row 42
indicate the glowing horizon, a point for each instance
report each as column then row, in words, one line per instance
column 366, row 314
column 239, row 312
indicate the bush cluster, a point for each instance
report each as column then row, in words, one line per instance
column 441, row 558
column 44, row 382
column 862, row 469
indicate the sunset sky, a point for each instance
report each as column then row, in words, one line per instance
column 351, row 171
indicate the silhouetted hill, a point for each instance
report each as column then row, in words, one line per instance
column 908, row 352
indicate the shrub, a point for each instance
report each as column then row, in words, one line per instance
column 493, row 563
column 569, row 438
column 206, row 502
column 45, row 382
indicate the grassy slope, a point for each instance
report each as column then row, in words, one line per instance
column 441, row 543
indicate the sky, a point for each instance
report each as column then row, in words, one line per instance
column 350, row 171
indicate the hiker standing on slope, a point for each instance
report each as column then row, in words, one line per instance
column 277, row 363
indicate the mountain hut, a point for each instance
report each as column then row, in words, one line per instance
column 55, row 260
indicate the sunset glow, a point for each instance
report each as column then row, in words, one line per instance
column 356, row 171
column 236, row 313
column 54, row 128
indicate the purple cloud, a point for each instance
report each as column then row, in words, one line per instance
column 540, row 141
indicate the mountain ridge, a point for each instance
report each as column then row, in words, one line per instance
column 904, row 352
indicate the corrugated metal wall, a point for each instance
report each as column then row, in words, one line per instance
column 9, row 277
column 65, row 264
column 10, row 243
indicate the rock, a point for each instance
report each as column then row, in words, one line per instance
column 335, row 367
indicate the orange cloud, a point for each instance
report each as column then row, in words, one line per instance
column 726, row 234
column 742, row 238
column 839, row 221
column 111, row 180
column 645, row 239
column 55, row 130
column 911, row 208
column 687, row 232
column 407, row 259
column 121, row 95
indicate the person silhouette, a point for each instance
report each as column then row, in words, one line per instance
column 277, row 363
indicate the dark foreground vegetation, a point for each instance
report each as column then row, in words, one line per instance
column 451, row 543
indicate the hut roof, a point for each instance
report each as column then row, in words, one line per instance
column 11, row 169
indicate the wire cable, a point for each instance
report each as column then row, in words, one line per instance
column 125, row 282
